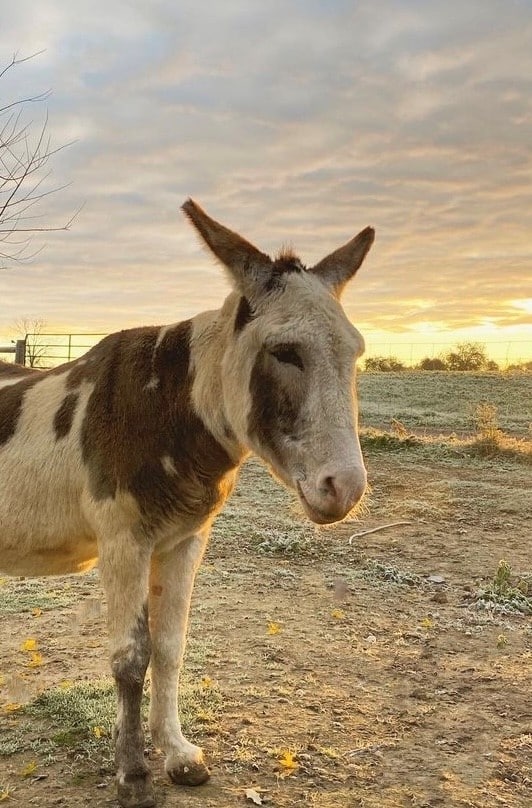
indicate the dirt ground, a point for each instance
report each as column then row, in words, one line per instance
column 347, row 672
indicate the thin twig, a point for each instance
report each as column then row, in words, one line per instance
column 376, row 530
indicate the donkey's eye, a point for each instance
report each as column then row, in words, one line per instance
column 287, row 355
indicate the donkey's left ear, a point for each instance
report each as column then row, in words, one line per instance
column 339, row 267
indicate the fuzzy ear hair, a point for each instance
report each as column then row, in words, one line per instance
column 248, row 267
column 340, row 266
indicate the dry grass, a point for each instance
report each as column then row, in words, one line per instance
column 496, row 445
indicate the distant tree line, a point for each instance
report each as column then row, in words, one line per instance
column 464, row 356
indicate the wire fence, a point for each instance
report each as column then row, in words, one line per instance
column 48, row 350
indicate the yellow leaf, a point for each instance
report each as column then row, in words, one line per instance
column 206, row 682
column 5, row 794
column 66, row 684
column 287, row 761
column 12, row 707
column 28, row 769
column 29, row 645
column 502, row 640
column 338, row 614
column 36, row 612
column 427, row 622
column 35, row 661
column 98, row 732
column 274, row 628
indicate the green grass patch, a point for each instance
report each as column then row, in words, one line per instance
column 78, row 719
column 82, row 716
column 54, row 592
column 506, row 593
column 298, row 541
column 377, row 571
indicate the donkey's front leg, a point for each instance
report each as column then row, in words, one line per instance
column 124, row 569
column 171, row 582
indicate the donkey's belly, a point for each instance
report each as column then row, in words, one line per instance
column 79, row 554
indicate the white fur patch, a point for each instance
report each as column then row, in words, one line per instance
column 45, row 531
column 153, row 383
column 168, row 465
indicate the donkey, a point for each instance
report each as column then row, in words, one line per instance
column 124, row 457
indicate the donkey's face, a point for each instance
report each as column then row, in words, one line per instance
column 288, row 370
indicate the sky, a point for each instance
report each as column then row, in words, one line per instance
column 295, row 123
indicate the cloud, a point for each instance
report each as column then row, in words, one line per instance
column 298, row 123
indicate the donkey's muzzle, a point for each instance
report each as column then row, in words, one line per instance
column 334, row 493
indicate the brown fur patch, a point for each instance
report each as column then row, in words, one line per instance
column 129, row 671
column 277, row 397
column 139, row 412
column 282, row 266
column 244, row 314
column 65, row 415
column 11, row 400
column 286, row 253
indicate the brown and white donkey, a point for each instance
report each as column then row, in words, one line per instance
column 125, row 456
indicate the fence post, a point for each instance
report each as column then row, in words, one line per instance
column 20, row 352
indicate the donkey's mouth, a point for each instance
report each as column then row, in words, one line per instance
column 315, row 514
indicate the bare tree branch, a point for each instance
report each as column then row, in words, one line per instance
column 31, row 331
column 25, row 154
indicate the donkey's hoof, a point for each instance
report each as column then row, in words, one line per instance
column 189, row 774
column 136, row 791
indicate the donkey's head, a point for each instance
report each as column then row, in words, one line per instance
column 288, row 370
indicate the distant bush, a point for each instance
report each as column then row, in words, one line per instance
column 432, row 363
column 523, row 367
column 384, row 364
column 469, row 356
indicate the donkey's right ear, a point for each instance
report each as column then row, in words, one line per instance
column 339, row 267
column 248, row 267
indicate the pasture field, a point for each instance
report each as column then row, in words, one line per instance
column 443, row 400
column 388, row 669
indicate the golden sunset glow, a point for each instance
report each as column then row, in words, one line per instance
column 523, row 305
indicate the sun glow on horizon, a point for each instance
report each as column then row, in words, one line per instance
column 523, row 304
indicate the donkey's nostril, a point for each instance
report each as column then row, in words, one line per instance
column 327, row 487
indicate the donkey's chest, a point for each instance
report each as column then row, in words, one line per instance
column 175, row 503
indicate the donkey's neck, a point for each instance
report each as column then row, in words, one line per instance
column 211, row 333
